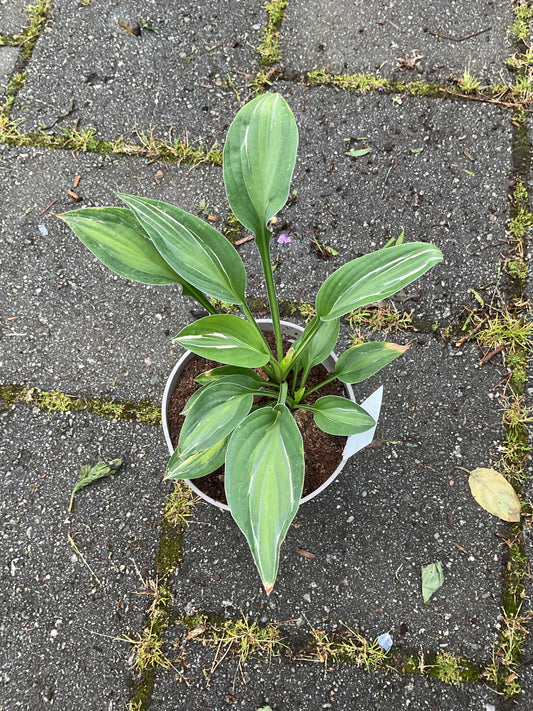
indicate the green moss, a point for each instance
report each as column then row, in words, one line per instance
column 364, row 83
column 57, row 401
column 269, row 46
column 16, row 83
column 8, row 41
column 454, row 670
column 520, row 27
column 37, row 16
column 517, row 269
column 180, row 504
column 87, row 141
column 517, row 96
column 233, row 229
column 149, row 646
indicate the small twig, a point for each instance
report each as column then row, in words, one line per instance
column 469, row 335
column 508, row 104
column 243, row 240
column 504, row 380
column 48, row 206
column 491, row 355
column 78, row 552
column 456, row 39
column 385, row 182
column 463, row 550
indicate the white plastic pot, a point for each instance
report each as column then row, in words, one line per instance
column 292, row 332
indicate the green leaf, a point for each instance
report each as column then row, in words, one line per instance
column 258, row 159
column 91, row 472
column 493, row 492
column 432, row 579
column 362, row 361
column 416, row 150
column 114, row 235
column 222, row 371
column 226, row 339
column 216, row 412
column 197, row 464
column 340, row 416
column 359, row 152
column 373, row 277
column 264, row 482
column 194, row 249
column 319, row 347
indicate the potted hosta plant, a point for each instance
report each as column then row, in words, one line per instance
column 243, row 413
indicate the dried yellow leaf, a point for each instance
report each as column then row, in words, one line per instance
column 494, row 493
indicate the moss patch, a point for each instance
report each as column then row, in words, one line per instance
column 269, row 47
column 57, row 401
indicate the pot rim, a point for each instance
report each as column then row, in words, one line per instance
column 292, row 330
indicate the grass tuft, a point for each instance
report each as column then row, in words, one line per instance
column 180, row 505
column 349, row 648
column 379, row 318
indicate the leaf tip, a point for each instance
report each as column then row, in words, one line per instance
column 397, row 347
column 268, row 588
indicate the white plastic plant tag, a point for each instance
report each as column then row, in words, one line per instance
column 357, row 442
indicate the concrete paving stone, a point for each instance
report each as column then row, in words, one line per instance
column 67, row 321
column 355, row 205
column 8, row 63
column 393, row 509
column 59, row 619
column 289, row 684
column 390, row 38
column 13, row 16
column 184, row 72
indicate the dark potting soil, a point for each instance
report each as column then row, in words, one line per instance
column 323, row 452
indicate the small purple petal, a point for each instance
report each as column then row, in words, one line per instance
column 43, row 230
column 283, row 239
column 385, row 641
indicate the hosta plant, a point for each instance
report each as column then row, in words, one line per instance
column 260, row 444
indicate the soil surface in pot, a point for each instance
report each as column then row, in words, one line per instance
column 323, row 452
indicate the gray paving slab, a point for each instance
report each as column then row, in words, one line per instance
column 397, row 38
column 183, row 72
column 13, row 16
column 394, row 509
column 8, row 63
column 306, row 685
column 60, row 618
column 453, row 193
column 67, row 321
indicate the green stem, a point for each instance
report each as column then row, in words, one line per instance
column 283, row 393
column 273, row 369
column 204, row 302
column 263, row 244
column 307, row 335
column 305, row 375
column 320, row 385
